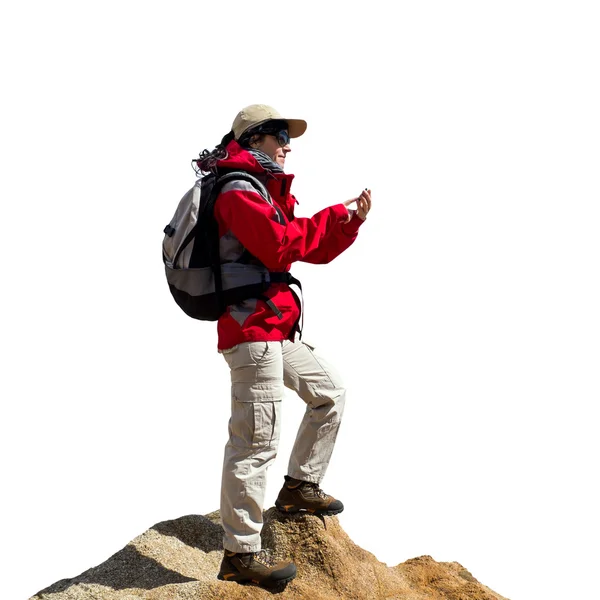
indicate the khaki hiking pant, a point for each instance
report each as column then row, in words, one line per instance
column 259, row 371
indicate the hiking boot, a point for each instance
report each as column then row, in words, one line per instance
column 297, row 495
column 255, row 567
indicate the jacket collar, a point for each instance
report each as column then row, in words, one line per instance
column 278, row 184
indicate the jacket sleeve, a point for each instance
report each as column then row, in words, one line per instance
column 254, row 223
column 341, row 237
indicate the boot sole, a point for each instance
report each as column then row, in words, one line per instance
column 267, row 583
column 293, row 510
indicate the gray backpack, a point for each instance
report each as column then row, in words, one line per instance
column 201, row 285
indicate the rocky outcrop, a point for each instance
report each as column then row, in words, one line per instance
column 179, row 560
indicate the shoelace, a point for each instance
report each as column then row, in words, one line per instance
column 265, row 557
column 318, row 491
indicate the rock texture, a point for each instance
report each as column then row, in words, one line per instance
column 179, row 560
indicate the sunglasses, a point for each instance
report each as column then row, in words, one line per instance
column 282, row 136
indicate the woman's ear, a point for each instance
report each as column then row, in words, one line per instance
column 255, row 140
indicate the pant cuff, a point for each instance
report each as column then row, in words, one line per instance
column 235, row 547
column 305, row 477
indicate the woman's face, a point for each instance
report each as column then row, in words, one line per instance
column 270, row 146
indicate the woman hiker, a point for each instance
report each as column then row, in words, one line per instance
column 259, row 340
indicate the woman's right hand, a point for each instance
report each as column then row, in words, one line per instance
column 363, row 205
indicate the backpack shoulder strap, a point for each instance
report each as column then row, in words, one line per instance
column 221, row 181
column 243, row 176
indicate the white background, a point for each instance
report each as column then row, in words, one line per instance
column 464, row 319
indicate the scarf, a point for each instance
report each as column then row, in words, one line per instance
column 265, row 161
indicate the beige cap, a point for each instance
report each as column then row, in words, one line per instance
column 255, row 114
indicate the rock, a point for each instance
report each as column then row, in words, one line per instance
column 179, row 560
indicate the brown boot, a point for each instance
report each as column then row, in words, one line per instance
column 297, row 495
column 255, row 567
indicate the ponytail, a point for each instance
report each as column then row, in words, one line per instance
column 207, row 161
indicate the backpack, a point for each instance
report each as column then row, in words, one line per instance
column 199, row 283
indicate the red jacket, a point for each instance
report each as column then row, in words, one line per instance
column 277, row 239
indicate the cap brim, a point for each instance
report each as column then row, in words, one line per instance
column 296, row 127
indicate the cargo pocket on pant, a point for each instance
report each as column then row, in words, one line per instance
column 255, row 423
